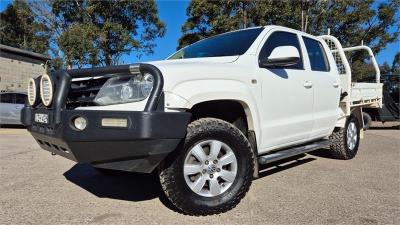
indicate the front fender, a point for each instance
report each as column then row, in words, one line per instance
column 189, row 93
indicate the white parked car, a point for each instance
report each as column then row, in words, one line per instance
column 11, row 104
column 206, row 117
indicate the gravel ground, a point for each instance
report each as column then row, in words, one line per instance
column 37, row 188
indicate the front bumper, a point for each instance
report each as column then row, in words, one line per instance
column 148, row 138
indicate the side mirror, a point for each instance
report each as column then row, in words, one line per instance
column 281, row 56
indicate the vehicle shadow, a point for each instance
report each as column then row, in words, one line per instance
column 397, row 127
column 141, row 187
column 322, row 153
column 280, row 72
column 12, row 126
column 284, row 164
column 118, row 184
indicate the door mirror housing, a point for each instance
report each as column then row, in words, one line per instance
column 281, row 56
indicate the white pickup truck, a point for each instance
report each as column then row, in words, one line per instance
column 205, row 118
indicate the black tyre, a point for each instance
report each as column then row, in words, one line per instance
column 345, row 141
column 212, row 172
column 367, row 121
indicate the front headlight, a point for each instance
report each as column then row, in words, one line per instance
column 124, row 89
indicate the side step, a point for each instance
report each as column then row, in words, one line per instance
column 283, row 154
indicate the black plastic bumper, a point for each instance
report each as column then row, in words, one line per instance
column 140, row 147
column 148, row 138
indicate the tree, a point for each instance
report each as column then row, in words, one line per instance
column 208, row 18
column 351, row 21
column 385, row 68
column 396, row 64
column 376, row 23
column 44, row 15
column 99, row 32
column 18, row 28
column 78, row 45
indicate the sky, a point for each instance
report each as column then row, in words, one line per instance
column 173, row 13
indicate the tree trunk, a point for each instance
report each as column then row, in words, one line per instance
column 108, row 59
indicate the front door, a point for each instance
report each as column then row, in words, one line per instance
column 287, row 96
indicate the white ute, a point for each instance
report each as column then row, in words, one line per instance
column 254, row 96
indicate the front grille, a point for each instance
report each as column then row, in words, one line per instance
column 83, row 92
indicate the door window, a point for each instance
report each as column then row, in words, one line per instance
column 316, row 54
column 282, row 38
column 6, row 98
column 20, row 98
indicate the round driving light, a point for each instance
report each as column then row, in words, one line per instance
column 46, row 89
column 32, row 92
column 80, row 123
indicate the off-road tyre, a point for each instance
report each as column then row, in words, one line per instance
column 339, row 148
column 171, row 171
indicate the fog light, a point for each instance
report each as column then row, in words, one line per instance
column 114, row 122
column 80, row 123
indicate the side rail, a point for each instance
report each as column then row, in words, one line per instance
column 371, row 58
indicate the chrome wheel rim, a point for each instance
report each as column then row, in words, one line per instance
column 210, row 168
column 351, row 135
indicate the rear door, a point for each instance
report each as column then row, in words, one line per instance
column 326, row 88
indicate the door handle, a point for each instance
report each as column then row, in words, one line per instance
column 335, row 85
column 308, row 84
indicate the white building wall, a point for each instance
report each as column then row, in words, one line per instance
column 14, row 74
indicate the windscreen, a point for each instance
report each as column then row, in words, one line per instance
column 228, row 44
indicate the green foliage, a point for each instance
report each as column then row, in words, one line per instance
column 385, row 68
column 77, row 42
column 18, row 28
column 376, row 23
column 99, row 32
column 351, row 21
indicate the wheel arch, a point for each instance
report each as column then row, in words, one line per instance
column 191, row 94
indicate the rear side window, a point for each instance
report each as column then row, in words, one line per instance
column 20, row 98
column 6, row 98
column 317, row 55
column 282, row 38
